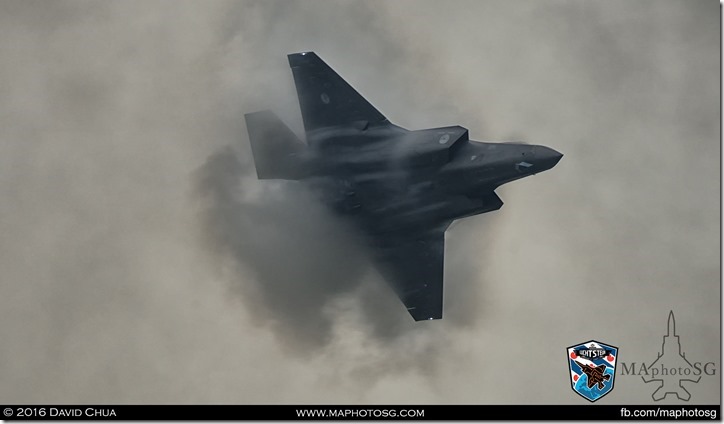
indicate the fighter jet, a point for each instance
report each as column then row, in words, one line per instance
column 595, row 375
column 401, row 188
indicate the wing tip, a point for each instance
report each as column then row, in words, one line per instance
column 425, row 317
column 301, row 58
column 259, row 113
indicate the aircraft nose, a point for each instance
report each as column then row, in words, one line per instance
column 546, row 157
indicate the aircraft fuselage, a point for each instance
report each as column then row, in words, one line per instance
column 395, row 179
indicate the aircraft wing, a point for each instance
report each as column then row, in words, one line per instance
column 326, row 100
column 413, row 265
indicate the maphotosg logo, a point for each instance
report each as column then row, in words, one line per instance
column 592, row 367
column 671, row 371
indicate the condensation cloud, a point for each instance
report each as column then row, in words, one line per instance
column 142, row 262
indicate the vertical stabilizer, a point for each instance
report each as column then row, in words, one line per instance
column 275, row 147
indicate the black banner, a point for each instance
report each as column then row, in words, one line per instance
column 357, row 412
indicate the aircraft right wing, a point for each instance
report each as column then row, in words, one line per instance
column 326, row 99
column 413, row 265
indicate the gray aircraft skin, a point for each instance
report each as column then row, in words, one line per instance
column 402, row 188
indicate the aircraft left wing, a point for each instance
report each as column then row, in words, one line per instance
column 327, row 100
column 413, row 265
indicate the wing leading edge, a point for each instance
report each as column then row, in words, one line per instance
column 414, row 267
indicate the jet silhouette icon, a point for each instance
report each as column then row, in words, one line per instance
column 671, row 359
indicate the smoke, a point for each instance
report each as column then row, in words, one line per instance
column 296, row 266
column 143, row 262
column 292, row 261
column 292, row 257
column 304, row 274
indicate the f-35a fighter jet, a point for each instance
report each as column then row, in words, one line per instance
column 402, row 188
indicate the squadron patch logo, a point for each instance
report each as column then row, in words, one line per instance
column 592, row 367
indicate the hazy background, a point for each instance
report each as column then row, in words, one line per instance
column 141, row 261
